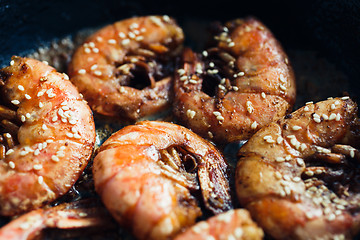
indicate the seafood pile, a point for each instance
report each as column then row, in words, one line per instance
column 162, row 173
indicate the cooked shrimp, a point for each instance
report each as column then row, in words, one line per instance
column 125, row 69
column 74, row 215
column 233, row 224
column 146, row 175
column 298, row 176
column 236, row 87
column 48, row 135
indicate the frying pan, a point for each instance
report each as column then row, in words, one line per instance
column 327, row 31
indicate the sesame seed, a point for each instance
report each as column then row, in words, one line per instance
column 222, row 87
column 44, row 127
column 41, row 105
column 241, row 74
column 293, row 141
column 296, row 179
column 220, row 118
column 27, row 96
column 332, row 106
column 77, row 136
column 352, row 153
column 93, row 67
column 12, row 62
column 317, row 120
column 254, row 125
column 309, row 173
column 41, row 93
column 37, row 167
column 27, row 115
column 338, row 117
column 282, row 193
column 332, row 116
column 70, row 135
column 288, row 158
column 40, row 179
column 64, row 120
column 65, row 108
column 231, row 44
column 193, row 81
column 296, row 128
column 82, row 71
column 15, row 102
column 211, row 64
column 98, row 73
column 282, row 78
column 306, row 108
column 280, row 159
column 337, row 102
column 55, row 158
column 112, row 41
column 278, row 175
column 11, row 164
column 235, row 88
column 125, row 41
column 87, row 50
column 95, row 50
column 216, row 113
column 190, row 113
column 331, row 217
column 55, row 118
column 211, row 135
column 181, row 71
column 263, row 95
column 249, row 107
column 345, row 98
column 10, row 151
column 279, row 140
column 308, row 103
column 99, row 39
column 23, row 118
column 303, row 146
column 7, row 135
column 205, row 53
column 21, row 88
column 36, row 152
column 183, row 78
column 282, row 87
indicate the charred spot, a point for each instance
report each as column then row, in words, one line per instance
column 4, row 76
column 285, row 126
column 24, row 67
column 288, row 116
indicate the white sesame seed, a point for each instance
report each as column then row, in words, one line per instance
column 40, row 180
column 332, row 106
column 82, row 71
column 65, row 108
column 306, row 108
column 15, row 102
column 36, row 152
column 27, row 96
column 308, row 103
column 278, row 175
column 55, row 118
column 337, row 102
column 44, row 127
column 39, row 94
column 317, row 120
column 183, row 78
column 27, row 115
column 332, row 116
column 211, row 135
column 282, row 87
column 8, row 152
column 77, row 136
column 181, row 71
column 303, row 146
column 352, row 153
column 125, row 41
column 263, row 95
column 331, row 217
column 282, row 78
column 190, row 113
column 70, row 135
column 294, row 142
column 122, row 35
column 37, row 167
column 205, row 53
column 241, row 74
column 231, row 44
column 338, row 117
column 93, row 67
column 23, row 118
column 193, row 81
column 280, row 159
column 112, row 41
column 235, row 88
column 254, row 125
column 95, row 50
column 12, row 62
column 55, row 158
column 11, row 164
column 216, row 113
column 279, row 140
column 98, row 73
column 41, row 105
column 64, row 120
column 21, row 88
column 87, row 50
column 345, row 98
column 99, row 39
column 220, row 118
column 222, row 87
column 296, row 179
column 211, row 64
column 296, row 128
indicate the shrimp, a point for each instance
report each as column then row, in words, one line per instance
column 300, row 178
column 48, row 135
column 75, row 215
column 236, row 87
column 233, row 224
column 147, row 175
column 125, row 70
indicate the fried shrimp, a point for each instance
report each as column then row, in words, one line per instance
column 148, row 175
column 242, row 83
column 125, row 70
column 300, row 178
column 48, row 135
column 234, row 224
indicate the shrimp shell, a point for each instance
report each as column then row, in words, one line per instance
column 150, row 193
column 234, row 224
column 55, row 138
column 109, row 65
column 242, row 83
column 288, row 179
